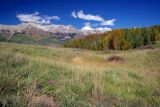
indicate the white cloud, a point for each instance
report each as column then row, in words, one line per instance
column 90, row 24
column 52, row 17
column 104, row 29
column 87, row 28
column 81, row 15
column 87, row 24
column 95, row 24
column 74, row 14
column 101, row 29
column 108, row 22
column 36, row 13
column 44, row 22
column 43, row 27
column 36, row 18
column 91, row 17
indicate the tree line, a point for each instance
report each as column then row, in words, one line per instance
column 119, row 39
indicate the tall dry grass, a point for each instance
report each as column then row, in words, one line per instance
column 37, row 76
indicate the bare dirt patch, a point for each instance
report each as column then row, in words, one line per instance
column 78, row 60
column 89, row 61
column 42, row 101
column 35, row 99
column 115, row 59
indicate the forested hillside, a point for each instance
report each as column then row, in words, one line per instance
column 120, row 39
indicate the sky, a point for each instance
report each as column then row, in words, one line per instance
column 82, row 14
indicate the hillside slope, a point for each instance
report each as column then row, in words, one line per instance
column 50, row 76
column 32, row 39
column 118, row 39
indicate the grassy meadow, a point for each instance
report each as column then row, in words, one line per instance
column 34, row 40
column 41, row 76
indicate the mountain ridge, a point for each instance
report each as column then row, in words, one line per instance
column 61, row 32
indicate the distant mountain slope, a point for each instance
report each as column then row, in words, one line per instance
column 30, row 29
column 37, row 31
column 30, row 39
column 31, row 33
column 21, row 38
column 119, row 39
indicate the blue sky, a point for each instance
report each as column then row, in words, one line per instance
column 116, row 13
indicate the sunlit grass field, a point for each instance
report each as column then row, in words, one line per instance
column 39, row 76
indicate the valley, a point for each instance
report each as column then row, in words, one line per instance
column 34, row 76
column 79, row 53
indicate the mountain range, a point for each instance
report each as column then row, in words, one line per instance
column 60, row 32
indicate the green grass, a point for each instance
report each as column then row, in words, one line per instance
column 158, row 44
column 49, row 41
column 21, row 38
column 34, row 40
column 46, row 76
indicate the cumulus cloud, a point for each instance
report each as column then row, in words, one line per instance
column 81, row 15
column 108, row 22
column 90, row 17
column 104, row 29
column 74, row 14
column 44, row 22
column 89, row 28
column 90, row 24
column 52, row 17
column 87, row 24
column 36, row 18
